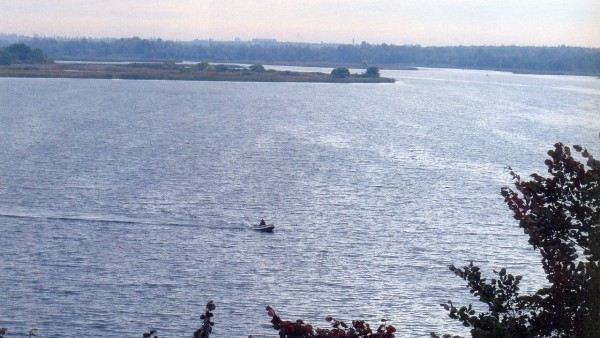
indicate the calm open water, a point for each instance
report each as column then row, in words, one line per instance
column 125, row 205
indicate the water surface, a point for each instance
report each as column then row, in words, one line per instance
column 125, row 205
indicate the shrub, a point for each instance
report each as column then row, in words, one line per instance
column 206, row 328
column 257, row 68
column 372, row 72
column 299, row 329
column 150, row 334
column 340, row 73
column 202, row 65
column 561, row 216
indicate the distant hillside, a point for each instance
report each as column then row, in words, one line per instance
column 545, row 60
column 21, row 53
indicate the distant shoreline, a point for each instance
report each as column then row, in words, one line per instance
column 545, row 60
column 247, row 62
column 348, row 65
column 176, row 72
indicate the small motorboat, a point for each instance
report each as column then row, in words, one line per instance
column 263, row 228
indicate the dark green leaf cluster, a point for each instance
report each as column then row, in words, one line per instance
column 561, row 216
column 150, row 334
column 339, row 329
column 297, row 329
column 32, row 332
column 206, row 328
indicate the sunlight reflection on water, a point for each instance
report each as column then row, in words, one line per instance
column 125, row 204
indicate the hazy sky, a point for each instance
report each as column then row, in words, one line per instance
column 426, row 22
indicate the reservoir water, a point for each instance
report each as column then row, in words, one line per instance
column 125, row 205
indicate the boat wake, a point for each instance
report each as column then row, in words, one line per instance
column 121, row 220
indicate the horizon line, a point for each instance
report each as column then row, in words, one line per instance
column 275, row 40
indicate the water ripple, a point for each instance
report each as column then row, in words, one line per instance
column 125, row 205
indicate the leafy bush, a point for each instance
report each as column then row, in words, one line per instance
column 202, row 65
column 257, row 68
column 340, row 73
column 372, row 72
column 299, row 329
column 150, row 334
column 561, row 216
column 206, row 328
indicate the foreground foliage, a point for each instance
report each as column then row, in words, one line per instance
column 206, row 328
column 561, row 216
column 300, row 329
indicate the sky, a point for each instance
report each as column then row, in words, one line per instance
column 425, row 22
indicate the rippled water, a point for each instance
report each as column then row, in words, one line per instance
column 125, row 205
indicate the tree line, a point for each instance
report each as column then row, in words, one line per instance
column 21, row 53
column 560, row 60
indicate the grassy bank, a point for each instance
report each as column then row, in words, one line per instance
column 141, row 71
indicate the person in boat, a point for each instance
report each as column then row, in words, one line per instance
column 262, row 223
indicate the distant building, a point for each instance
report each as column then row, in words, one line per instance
column 264, row 42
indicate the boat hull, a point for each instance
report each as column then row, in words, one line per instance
column 263, row 228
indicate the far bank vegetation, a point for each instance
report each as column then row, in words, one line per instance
column 19, row 53
column 21, row 61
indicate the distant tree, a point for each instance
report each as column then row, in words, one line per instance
column 513, row 58
column 257, row 68
column 21, row 53
column 221, row 68
column 561, row 216
column 372, row 72
column 4, row 59
column 202, row 65
column 543, row 59
column 340, row 73
column 169, row 63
